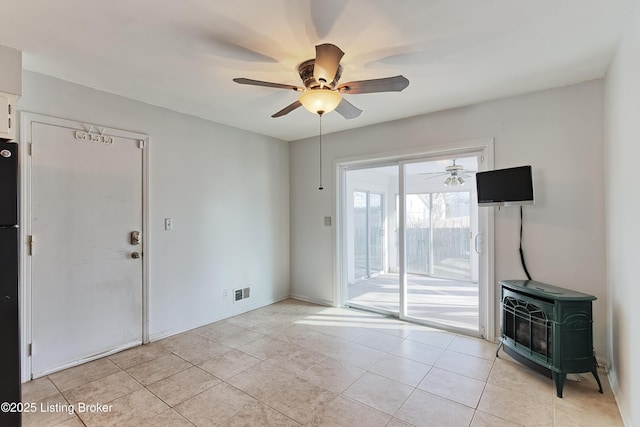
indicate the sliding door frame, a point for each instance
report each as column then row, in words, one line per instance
column 487, row 289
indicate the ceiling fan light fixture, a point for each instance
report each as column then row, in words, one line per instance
column 454, row 179
column 320, row 101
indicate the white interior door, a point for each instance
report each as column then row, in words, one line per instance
column 86, row 285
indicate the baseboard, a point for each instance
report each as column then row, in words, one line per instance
column 617, row 394
column 312, row 300
column 245, row 308
column 98, row 355
column 603, row 363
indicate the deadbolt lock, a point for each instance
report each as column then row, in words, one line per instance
column 135, row 255
column 136, row 237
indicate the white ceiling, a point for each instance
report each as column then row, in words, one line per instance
column 183, row 54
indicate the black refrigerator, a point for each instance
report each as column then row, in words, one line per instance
column 9, row 314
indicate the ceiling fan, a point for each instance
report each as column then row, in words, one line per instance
column 455, row 174
column 322, row 93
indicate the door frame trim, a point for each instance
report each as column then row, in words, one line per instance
column 341, row 165
column 24, row 166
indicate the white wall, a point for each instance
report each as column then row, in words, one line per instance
column 557, row 131
column 622, row 155
column 227, row 191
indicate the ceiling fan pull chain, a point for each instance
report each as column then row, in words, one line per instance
column 321, row 187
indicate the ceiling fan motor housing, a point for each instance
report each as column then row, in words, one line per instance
column 305, row 70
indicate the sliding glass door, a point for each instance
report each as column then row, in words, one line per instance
column 440, row 223
column 409, row 238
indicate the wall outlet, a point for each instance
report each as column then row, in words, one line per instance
column 225, row 294
column 168, row 224
column 327, row 221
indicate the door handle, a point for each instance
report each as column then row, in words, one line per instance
column 478, row 243
column 136, row 237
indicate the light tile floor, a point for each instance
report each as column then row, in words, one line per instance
column 293, row 363
column 448, row 302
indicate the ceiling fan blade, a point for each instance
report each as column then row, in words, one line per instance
column 324, row 15
column 386, row 84
column 219, row 45
column 286, row 110
column 436, row 175
column 327, row 62
column 244, row 81
column 348, row 110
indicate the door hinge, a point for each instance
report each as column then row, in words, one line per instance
column 141, row 144
column 31, row 148
column 31, row 243
column 30, row 349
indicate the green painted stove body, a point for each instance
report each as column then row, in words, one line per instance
column 558, row 323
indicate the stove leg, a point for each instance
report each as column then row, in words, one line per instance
column 594, row 371
column 558, row 379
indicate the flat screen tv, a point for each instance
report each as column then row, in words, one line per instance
column 505, row 187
